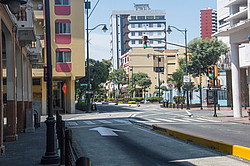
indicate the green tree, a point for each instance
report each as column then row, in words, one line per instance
column 162, row 88
column 142, row 80
column 118, row 77
column 177, row 79
column 99, row 72
column 204, row 52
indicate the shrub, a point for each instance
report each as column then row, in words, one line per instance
column 137, row 99
column 131, row 102
column 110, row 99
column 125, row 100
column 154, row 99
column 99, row 99
column 179, row 99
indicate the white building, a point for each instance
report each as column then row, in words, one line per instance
column 234, row 28
column 128, row 27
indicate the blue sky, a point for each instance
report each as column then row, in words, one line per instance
column 180, row 13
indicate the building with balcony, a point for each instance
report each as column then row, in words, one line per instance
column 68, row 55
column 208, row 20
column 128, row 27
column 17, row 55
column 234, row 27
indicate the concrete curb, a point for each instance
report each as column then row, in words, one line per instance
column 235, row 150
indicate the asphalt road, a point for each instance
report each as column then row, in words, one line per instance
column 113, row 141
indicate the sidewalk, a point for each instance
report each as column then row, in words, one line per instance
column 230, row 136
column 27, row 150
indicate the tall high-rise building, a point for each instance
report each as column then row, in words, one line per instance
column 208, row 22
column 128, row 27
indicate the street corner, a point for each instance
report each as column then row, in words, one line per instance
column 236, row 150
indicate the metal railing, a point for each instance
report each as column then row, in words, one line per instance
column 68, row 154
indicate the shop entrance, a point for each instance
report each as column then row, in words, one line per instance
column 58, row 96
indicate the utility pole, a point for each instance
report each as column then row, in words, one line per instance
column 214, row 92
column 159, row 84
column 87, row 7
column 132, row 80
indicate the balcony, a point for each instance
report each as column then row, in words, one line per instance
column 35, row 51
column 25, row 22
column 237, row 17
column 237, row 2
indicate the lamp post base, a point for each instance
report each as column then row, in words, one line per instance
column 50, row 156
column 50, row 159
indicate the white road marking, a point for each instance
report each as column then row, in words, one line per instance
column 104, row 121
column 89, row 122
column 122, row 121
column 73, row 123
column 104, row 131
column 209, row 120
column 180, row 120
column 165, row 120
column 195, row 120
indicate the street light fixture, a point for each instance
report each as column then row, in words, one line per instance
column 185, row 34
column 87, row 7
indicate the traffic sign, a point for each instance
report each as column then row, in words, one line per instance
column 170, row 86
column 215, row 88
column 89, row 92
column 64, row 88
column 186, row 78
column 83, row 84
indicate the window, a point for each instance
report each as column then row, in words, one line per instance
column 133, row 17
column 140, row 33
column 132, row 25
column 4, row 81
column 159, row 33
column 159, row 42
column 36, row 81
column 62, row 2
column 141, row 17
column 133, row 41
column 159, row 59
column 63, row 28
column 151, row 42
column 158, row 25
column 151, row 25
column 171, row 56
column 149, row 17
column 140, row 41
column 132, row 33
column 159, row 17
column 151, row 33
column 63, row 56
column 139, row 25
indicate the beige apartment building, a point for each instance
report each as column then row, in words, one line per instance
column 68, row 56
column 146, row 61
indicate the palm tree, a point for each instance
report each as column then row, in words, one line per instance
column 177, row 80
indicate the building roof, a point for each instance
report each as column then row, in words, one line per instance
column 138, row 12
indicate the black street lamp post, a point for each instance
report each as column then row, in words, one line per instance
column 87, row 7
column 159, row 84
column 185, row 33
column 50, row 156
column 132, row 70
